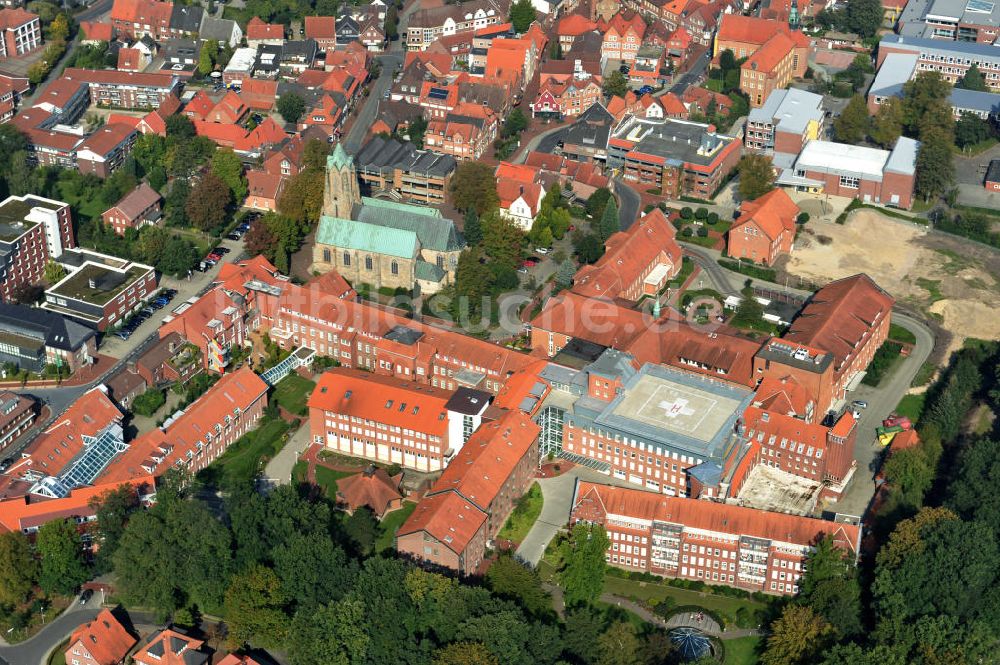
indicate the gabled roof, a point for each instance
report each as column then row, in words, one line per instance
column 105, row 639
column 258, row 30
column 840, row 316
column 773, row 213
column 171, row 647
column 139, row 199
column 373, row 488
column 574, row 25
column 718, row 517
column 770, row 54
column 321, row 27
column 98, row 30
column 510, row 190
column 29, row 511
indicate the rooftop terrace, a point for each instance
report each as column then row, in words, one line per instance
column 96, row 284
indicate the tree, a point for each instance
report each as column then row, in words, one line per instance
column 565, row 273
column 206, row 206
column 509, row 578
column 54, row 272
column 302, row 198
column 615, row 85
column 910, row 476
column 970, row 129
column 179, row 256
column 472, row 230
column 597, row 201
column 312, row 569
column 619, row 645
column 473, row 282
column 756, row 176
column 582, row 576
column 830, row 587
column 207, row 57
column 555, row 50
column 391, row 23
column 229, row 169
column 335, row 634
column 588, row 247
column 864, row 17
column 887, row 125
column 797, row 636
column 852, row 124
column 502, row 240
column 973, row 80
column 291, row 106
column 522, row 14
column 610, row 222
column 749, row 313
column 926, row 105
column 112, row 510
column 935, row 168
column 60, row 549
column 582, row 624
column 515, row 122
column 148, row 402
column 18, row 568
column 253, row 607
column 260, row 240
column 474, row 186
column 362, row 530
column 465, row 653
column 180, row 127
column 415, row 130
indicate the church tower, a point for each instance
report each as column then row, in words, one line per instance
column 341, row 193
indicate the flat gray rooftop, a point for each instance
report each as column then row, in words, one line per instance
column 676, row 408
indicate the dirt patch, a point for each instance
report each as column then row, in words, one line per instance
column 953, row 280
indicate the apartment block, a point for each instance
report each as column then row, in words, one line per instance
column 426, row 25
column 21, row 32
column 786, row 121
column 33, row 230
column 100, row 290
column 17, row 414
column 706, row 541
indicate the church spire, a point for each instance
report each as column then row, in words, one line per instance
column 341, row 193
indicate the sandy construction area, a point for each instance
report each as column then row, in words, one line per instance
column 951, row 279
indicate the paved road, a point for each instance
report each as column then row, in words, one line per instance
column 882, row 401
column 35, row 649
column 279, row 470
column 535, row 143
column 629, row 203
column 557, row 495
column 690, row 77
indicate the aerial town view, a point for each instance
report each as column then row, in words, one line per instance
column 499, row 332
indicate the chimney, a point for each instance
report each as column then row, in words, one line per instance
column 92, row 283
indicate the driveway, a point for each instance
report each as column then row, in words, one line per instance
column 279, row 470
column 629, row 203
column 35, row 649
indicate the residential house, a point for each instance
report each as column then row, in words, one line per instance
column 323, row 29
column 565, row 96
column 261, row 33
column 106, row 149
column 171, row 647
column 465, row 133
column 169, row 360
column 103, row 641
column 263, row 190
column 429, row 23
column 138, row 208
column 622, row 37
column 520, row 201
column 765, row 228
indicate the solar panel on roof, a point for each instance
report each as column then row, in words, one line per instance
column 980, row 6
column 438, row 93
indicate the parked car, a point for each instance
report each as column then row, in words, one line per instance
column 523, row 271
column 542, row 250
column 235, row 235
column 86, row 595
column 645, row 90
column 859, row 404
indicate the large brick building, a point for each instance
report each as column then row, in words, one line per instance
column 391, row 420
column 706, row 541
column 17, row 413
column 678, row 157
column 466, row 507
column 775, row 54
column 786, row 121
column 637, row 262
column 33, row 231
column 426, row 25
column 385, row 165
column 21, row 32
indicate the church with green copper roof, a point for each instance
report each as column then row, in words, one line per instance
column 382, row 243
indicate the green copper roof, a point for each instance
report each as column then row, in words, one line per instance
column 403, row 207
column 434, row 232
column 364, row 237
column 339, row 159
column 429, row 272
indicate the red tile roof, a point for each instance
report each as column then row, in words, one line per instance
column 264, row 185
column 257, row 29
column 129, row 59
column 365, row 395
column 98, row 30
column 773, row 213
column 143, row 12
column 138, row 200
column 373, row 488
column 107, row 138
column 14, row 18
column 574, row 25
column 488, row 459
column 783, row 395
column 233, row 659
column 672, row 105
column 55, row 447
column 321, row 27
column 718, row 517
column 158, row 450
column 173, row 649
column 628, row 254
column 510, row 190
column 771, row 54
column 748, row 29
column 449, row 518
column 839, row 318
column 104, row 639
column 30, row 511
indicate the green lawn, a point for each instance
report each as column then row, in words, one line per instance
column 742, row 650
column 924, row 374
column 299, row 471
column 292, row 392
column 911, row 406
column 725, row 605
column 527, row 510
column 901, row 334
column 245, row 458
column 687, row 267
column 327, row 479
column 390, row 525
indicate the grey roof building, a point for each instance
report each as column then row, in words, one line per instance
column 898, row 68
column 222, row 30
column 31, row 337
column 587, row 138
column 186, row 18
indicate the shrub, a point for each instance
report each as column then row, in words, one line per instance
column 802, row 218
column 701, row 213
column 687, row 232
column 702, row 232
column 686, row 213
column 713, row 218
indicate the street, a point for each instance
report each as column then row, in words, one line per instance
column 693, row 75
column 35, row 649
